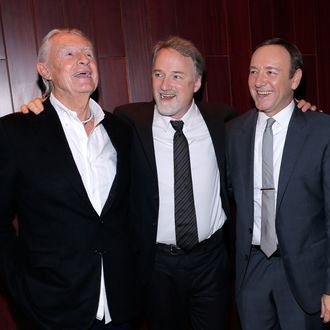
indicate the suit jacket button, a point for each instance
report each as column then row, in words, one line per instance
column 250, row 230
column 246, row 257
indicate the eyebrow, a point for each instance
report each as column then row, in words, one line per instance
column 267, row 67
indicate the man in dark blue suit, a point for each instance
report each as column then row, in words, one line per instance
column 283, row 227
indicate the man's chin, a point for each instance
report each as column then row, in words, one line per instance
column 166, row 111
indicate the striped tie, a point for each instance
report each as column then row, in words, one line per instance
column 185, row 215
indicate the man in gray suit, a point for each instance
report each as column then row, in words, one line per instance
column 279, row 162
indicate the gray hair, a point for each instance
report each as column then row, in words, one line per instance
column 43, row 54
column 185, row 48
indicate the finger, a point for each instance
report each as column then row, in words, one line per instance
column 306, row 106
column 322, row 310
column 326, row 317
column 24, row 108
column 35, row 106
column 38, row 102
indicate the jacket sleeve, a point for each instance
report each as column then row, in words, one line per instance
column 8, row 238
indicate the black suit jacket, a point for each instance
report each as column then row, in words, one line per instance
column 303, row 201
column 144, row 192
column 53, row 268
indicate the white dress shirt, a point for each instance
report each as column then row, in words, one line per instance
column 96, row 160
column 205, row 175
column 280, row 129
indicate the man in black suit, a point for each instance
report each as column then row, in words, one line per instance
column 64, row 174
column 186, row 287
column 279, row 165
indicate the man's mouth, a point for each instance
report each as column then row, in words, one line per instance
column 166, row 96
column 83, row 74
column 263, row 93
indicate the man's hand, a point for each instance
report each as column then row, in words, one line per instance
column 304, row 106
column 35, row 106
column 325, row 308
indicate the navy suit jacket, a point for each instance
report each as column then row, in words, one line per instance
column 303, row 201
column 53, row 268
column 144, row 191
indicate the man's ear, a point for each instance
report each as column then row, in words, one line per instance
column 197, row 84
column 44, row 71
column 295, row 80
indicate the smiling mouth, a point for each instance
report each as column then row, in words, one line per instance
column 263, row 93
column 83, row 74
column 165, row 97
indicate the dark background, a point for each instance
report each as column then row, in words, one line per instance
column 226, row 32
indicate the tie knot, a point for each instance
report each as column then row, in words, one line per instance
column 270, row 122
column 177, row 125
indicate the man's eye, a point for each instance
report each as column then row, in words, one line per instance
column 272, row 73
column 177, row 76
column 158, row 75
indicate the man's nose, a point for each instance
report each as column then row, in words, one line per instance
column 83, row 59
column 165, row 84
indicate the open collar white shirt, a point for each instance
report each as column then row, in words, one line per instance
column 280, row 129
column 205, row 175
column 96, row 160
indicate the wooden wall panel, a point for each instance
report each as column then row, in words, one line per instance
column 309, row 83
column 305, row 26
column 217, row 71
column 49, row 15
column 323, row 51
column 215, row 27
column 78, row 14
column 190, row 22
column 138, row 44
column 260, row 20
column 2, row 47
column 108, row 32
column 162, row 18
column 113, row 82
column 19, row 36
column 239, row 52
column 283, row 20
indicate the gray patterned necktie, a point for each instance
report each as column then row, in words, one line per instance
column 185, row 215
column 268, row 231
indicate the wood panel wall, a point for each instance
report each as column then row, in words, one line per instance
column 226, row 31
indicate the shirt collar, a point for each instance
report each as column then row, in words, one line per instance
column 164, row 121
column 282, row 117
column 93, row 106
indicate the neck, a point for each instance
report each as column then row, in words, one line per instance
column 80, row 104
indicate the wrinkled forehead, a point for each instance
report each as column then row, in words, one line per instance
column 66, row 40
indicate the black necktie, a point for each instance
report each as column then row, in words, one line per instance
column 185, row 215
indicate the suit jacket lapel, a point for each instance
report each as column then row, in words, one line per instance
column 143, row 123
column 294, row 142
column 52, row 139
column 246, row 147
column 215, row 125
column 114, row 135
